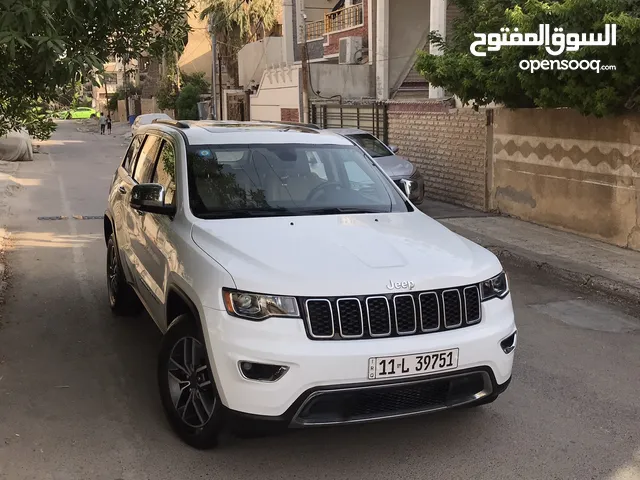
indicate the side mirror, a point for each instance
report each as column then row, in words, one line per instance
column 394, row 149
column 406, row 184
column 149, row 197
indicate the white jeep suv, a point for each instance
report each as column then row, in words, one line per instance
column 295, row 284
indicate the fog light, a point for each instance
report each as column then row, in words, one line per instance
column 508, row 345
column 261, row 372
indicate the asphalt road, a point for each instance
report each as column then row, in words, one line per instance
column 78, row 398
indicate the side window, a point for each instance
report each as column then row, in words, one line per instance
column 130, row 157
column 147, row 159
column 164, row 173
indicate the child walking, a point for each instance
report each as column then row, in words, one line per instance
column 103, row 123
column 109, row 123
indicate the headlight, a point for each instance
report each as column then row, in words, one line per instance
column 496, row 287
column 255, row 306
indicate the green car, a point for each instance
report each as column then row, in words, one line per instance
column 80, row 112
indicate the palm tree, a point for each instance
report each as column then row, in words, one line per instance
column 236, row 23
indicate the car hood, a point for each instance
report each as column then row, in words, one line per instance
column 396, row 166
column 338, row 255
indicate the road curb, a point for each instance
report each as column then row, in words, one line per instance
column 578, row 273
column 7, row 169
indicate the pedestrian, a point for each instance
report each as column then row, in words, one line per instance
column 109, row 123
column 103, row 123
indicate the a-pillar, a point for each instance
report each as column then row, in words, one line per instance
column 382, row 50
column 438, row 22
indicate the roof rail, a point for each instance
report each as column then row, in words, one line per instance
column 173, row 123
column 296, row 124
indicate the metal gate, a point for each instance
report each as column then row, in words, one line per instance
column 235, row 108
column 370, row 117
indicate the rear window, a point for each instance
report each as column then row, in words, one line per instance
column 371, row 144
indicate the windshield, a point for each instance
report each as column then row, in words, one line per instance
column 285, row 179
column 371, row 144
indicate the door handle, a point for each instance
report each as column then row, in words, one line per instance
column 122, row 190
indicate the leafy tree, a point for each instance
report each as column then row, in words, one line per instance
column 167, row 95
column 187, row 103
column 47, row 44
column 197, row 80
column 498, row 78
column 235, row 23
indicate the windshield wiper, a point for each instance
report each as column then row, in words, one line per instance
column 342, row 210
column 245, row 213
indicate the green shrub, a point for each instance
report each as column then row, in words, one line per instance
column 187, row 103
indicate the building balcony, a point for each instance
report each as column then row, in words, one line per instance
column 343, row 19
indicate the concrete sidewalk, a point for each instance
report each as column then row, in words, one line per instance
column 610, row 269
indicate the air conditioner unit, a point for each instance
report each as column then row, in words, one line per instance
column 350, row 50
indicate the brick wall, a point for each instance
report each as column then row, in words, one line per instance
column 333, row 40
column 289, row 115
column 448, row 146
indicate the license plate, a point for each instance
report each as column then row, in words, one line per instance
column 417, row 364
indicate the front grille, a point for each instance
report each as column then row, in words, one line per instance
column 392, row 315
column 378, row 402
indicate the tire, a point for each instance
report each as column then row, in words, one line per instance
column 68, row 116
column 93, row 115
column 122, row 299
column 187, row 388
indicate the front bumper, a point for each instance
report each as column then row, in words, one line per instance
column 338, row 365
column 358, row 403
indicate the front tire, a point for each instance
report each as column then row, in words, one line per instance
column 122, row 299
column 187, row 388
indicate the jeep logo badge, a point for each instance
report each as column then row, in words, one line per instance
column 400, row 285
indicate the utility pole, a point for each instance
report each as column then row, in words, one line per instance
column 305, row 73
column 106, row 95
column 214, row 57
column 220, row 83
column 126, row 84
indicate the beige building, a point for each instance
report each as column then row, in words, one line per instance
column 197, row 53
column 359, row 50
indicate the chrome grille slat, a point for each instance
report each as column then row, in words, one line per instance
column 428, row 321
column 354, row 326
column 414, row 313
column 320, row 327
column 472, row 306
column 405, row 314
column 375, row 332
column 452, row 306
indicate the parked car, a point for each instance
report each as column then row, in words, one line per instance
column 78, row 113
column 295, row 297
column 400, row 169
column 146, row 119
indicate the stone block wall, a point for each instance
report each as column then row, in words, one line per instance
column 567, row 171
column 449, row 146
